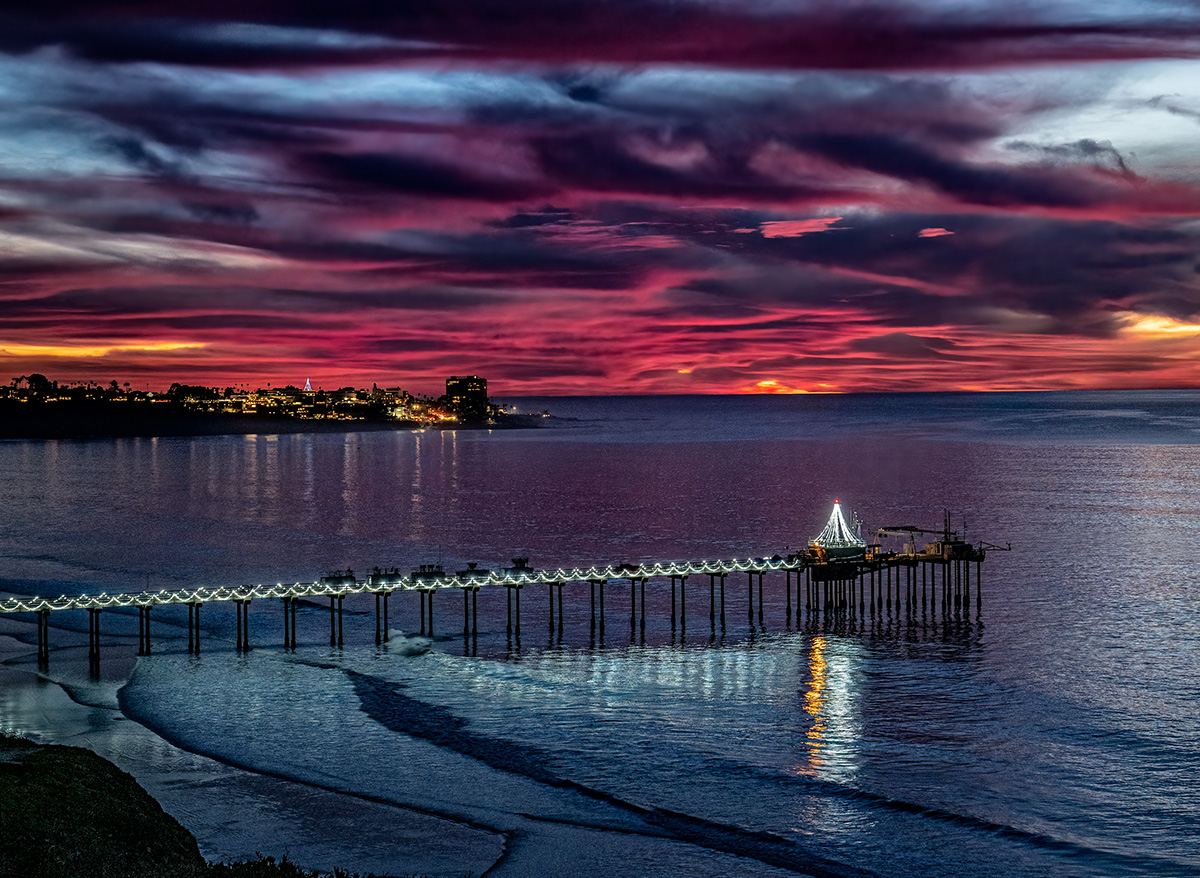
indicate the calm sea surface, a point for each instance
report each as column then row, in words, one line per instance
column 1055, row 733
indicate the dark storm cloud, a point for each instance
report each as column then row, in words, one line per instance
column 137, row 154
column 905, row 346
column 968, row 182
column 1074, row 274
column 545, row 217
column 202, row 302
column 811, row 35
column 122, row 35
column 410, row 175
column 601, row 163
column 1085, row 149
column 503, row 260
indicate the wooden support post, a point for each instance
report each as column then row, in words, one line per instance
column 712, row 601
column 144, row 630
column 421, row 592
column 632, row 603
column 194, row 627
column 379, row 619
column 287, row 627
column 672, row 603
column 750, row 597
column 517, row 613
column 723, row 575
column 386, row 595
column 550, row 615
column 466, row 613
column 642, row 590
column 43, row 635
column 339, row 618
column 431, row 593
column 978, row 587
column 760, row 599
column 946, row 595
column 601, row 583
column 94, row 639
column 332, row 620
column 560, row 609
column 592, row 586
column 508, row 589
column 683, row 604
column 787, row 590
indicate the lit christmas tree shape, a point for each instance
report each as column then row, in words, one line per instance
column 839, row 539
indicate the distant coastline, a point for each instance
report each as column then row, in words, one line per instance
column 102, row 419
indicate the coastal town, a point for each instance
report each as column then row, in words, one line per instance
column 34, row 405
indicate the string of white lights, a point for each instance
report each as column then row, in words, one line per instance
column 837, row 534
column 388, row 584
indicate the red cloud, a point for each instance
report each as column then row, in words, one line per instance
column 791, row 228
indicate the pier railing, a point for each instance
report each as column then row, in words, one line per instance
column 387, row 583
column 830, row 585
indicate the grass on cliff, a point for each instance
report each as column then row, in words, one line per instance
column 67, row 813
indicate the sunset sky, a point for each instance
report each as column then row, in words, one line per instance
column 629, row 196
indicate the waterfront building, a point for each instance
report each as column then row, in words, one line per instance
column 466, row 397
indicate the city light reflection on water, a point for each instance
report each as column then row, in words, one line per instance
column 814, row 701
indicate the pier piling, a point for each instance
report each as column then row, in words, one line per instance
column 43, row 638
column 144, row 630
column 94, row 640
column 243, row 625
column 194, row 627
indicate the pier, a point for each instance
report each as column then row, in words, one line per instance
column 935, row 581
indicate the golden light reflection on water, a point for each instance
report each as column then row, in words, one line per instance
column 815, row 700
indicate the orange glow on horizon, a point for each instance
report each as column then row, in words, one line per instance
column 773, row 385
column 1152, row 324
column 29, row 350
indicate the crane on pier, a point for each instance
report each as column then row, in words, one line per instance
column 948, row 543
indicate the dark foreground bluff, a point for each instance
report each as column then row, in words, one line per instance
column 67, row 813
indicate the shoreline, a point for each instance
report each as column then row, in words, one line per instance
column 70, row 421
column 244, row 823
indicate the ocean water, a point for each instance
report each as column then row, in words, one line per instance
column 1054, row 732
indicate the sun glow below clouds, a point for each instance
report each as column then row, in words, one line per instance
column 28, row 350
column 1152, row 325
column 774, row 386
